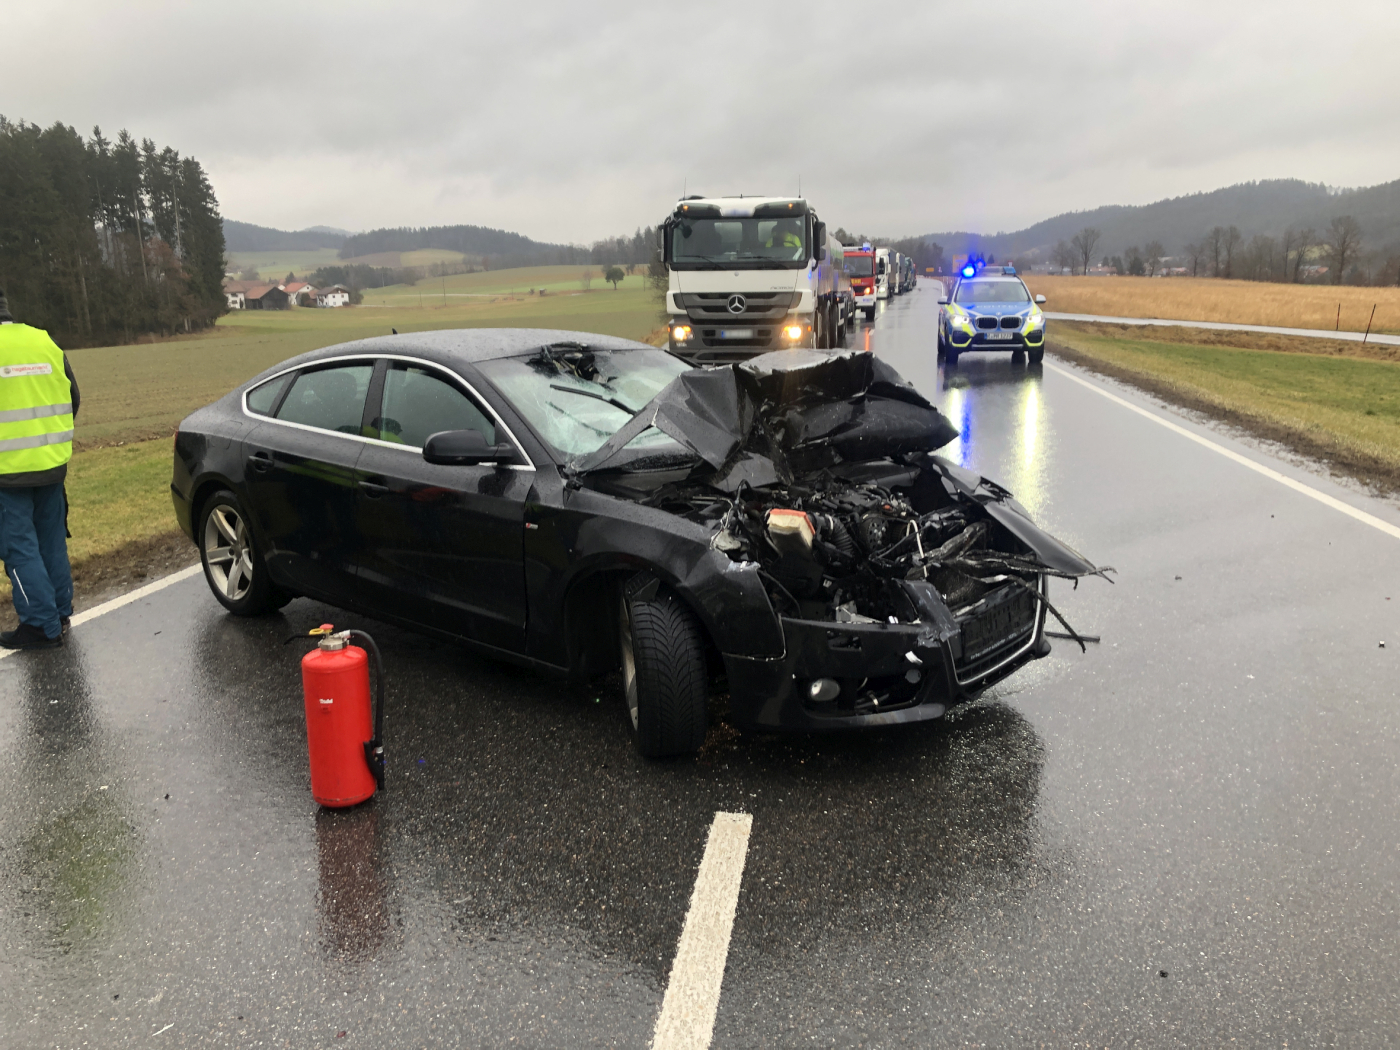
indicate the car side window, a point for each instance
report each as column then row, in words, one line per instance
column 263, row 396
column 329, row 398
column 419, row 402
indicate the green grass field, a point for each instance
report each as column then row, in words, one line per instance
column 1346, row 406
column 276, row 265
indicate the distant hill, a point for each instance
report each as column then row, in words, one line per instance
column 245, row 237
column 500, row 247
column 1268, row 207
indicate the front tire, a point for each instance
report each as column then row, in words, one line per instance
column 1036, row 356
column 233, row 566
column 663, row 669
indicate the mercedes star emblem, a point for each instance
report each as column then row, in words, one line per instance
column 737, row 303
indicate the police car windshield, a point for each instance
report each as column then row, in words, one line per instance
column 859, row 265
column 992, row 292
column 722, row 243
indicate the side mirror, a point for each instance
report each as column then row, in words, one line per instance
column 463, row 448
column 942, row 300
column 1039, row 299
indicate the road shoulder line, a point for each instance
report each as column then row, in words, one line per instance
column 692, row 995
column 125, row 599
column 1268, row 472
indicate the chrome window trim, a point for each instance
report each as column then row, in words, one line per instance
column 416, row 449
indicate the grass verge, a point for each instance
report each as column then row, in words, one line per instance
column 1342, row 409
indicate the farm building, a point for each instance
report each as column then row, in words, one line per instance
column 335, row 295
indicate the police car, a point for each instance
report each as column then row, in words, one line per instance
column 990, row 309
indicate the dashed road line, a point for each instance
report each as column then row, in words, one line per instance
column 1268, row 472
column 687, row 1020
column 126, row 599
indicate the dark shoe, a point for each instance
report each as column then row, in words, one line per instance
column 64, row 623
column 27, row 636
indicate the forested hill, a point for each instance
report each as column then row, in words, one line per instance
column 469, row 240
column 101, row 241
column 246, row 237
column 1268, row 208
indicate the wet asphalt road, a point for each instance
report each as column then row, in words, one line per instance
column 1186, row 837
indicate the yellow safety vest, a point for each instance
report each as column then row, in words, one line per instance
column 36, row 407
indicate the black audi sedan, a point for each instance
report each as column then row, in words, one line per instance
column 579, row 504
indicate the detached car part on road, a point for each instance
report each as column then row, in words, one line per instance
column 578, row 503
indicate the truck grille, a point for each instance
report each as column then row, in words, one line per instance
column 717, row 307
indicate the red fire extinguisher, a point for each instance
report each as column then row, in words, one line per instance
column 345, row 743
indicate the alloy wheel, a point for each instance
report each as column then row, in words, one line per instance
column 629, row 661
column 228, row 557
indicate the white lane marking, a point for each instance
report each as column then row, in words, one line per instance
column 1268, row 472
column 125, row 599
column 687, row 1020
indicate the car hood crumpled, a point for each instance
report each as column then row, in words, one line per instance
column 784, row 414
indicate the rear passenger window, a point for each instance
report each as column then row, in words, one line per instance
column 263, row 396
column 329, row 398
column 419, row 402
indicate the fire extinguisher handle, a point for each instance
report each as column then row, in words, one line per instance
column 374, row 749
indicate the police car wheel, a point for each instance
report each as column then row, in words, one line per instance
column 1036, row 356
column 233, row 567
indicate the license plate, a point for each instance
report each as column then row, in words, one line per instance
column 736, row 333
column 1000, row 335
column 997, row 626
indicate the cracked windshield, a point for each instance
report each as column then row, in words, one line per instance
column 577, row 398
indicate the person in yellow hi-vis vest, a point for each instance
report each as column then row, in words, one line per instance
column 38, row 400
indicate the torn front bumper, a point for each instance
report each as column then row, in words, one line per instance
column 954, row 660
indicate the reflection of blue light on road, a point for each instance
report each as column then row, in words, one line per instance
column 958, row 409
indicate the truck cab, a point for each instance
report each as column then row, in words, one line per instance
column 884, row 277
column 860, row 268
column 747, row 275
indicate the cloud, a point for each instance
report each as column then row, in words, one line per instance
column 576, row 121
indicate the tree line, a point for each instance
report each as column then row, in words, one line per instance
column 1336, row 255
column 103, row 242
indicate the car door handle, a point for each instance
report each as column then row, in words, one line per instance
column 374, row 490
column 260, row 461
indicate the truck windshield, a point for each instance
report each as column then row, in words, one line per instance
column 859, row 265
column 992, row 292
column 725, row 243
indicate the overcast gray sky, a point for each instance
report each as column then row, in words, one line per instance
column 574, row 121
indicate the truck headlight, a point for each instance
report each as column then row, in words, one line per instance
column 680, row 333
column 792, row 331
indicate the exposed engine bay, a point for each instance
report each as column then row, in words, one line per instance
column 817, row 469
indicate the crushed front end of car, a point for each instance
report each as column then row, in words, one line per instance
column 903, row 584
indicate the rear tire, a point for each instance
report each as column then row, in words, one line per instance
column 233, row 566
column 663, row 669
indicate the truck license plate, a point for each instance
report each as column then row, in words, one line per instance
column 736, row 333
column 999, row 335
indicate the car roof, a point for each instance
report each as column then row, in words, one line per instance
column 450, row 346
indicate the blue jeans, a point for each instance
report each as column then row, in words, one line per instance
column 34, row 547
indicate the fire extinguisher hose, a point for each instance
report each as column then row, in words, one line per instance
column 374, row 749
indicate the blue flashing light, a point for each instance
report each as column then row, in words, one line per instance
column 969, row 270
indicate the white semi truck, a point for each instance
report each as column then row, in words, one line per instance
column 751, row 274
